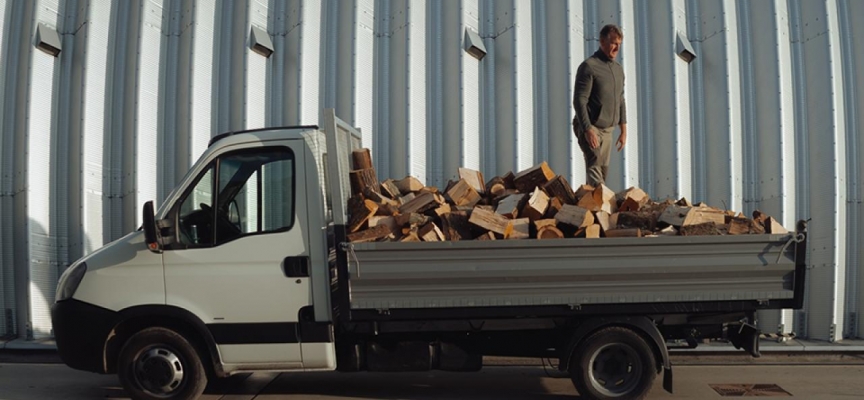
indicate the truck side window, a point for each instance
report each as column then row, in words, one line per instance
column 196, row 222
column 255, row 195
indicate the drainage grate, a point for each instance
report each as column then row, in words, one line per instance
column 749, row 389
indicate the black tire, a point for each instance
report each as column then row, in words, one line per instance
column 158, row 363
column 613, row 363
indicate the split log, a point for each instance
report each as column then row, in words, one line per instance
column 774, row 227
column 473, row 178
column 443, row 209
column 406, row 198
column 574, row 216
column 369, row 235
column 388, row 221
column 495, row 186
column 362, row 179
column 463, row 194
column 455, row 226
column 518, row 229
column 536, row 206
column 549, row 232
column 632, row 232
column 738, row 226
column 530, row 178
column 604, row 198
column 411, row 237
column 541, row 223
column 590, row 232
column 486, row 236
column 389, row 189
column 554, row 206
column 668, row 231
column 602, row 219
column 489, row 220
column 683, row 202
column 509, row 207
column 509, row 180
column 700, row 215
column 674, row 215
column 409, row 184
column 633, row 199
column 430, row 233
column 359, row 211
column 559, row 188
column 646, row 221
column 388, row 209
column 706, row 228
column 361, row 159
column 582, row 191
column 412, row 220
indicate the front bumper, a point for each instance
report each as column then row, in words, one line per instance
column 80, row 330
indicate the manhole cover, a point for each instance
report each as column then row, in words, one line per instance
column 749, row 389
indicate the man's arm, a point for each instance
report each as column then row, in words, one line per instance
column 622, row 122
column 581, row 93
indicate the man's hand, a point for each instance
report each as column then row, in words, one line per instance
column 622, row 138
column 592, row 138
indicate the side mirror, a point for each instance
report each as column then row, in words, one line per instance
column 150, row 228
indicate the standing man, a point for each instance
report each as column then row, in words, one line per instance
column 598, row 98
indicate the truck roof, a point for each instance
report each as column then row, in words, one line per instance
column 259, row 131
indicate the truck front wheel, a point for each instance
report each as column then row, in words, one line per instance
column 158, row 363
column 613, row 363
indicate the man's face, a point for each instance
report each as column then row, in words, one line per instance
column 610, row 45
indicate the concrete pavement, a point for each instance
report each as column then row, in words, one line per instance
column 21, row 381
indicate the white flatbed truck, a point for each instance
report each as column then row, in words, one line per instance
column 245, row 267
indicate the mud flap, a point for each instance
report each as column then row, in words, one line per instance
column 667, row 378
column 746, row 337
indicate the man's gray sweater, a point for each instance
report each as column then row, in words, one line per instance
column 599, row 93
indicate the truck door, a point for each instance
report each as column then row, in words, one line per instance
column 240, row 257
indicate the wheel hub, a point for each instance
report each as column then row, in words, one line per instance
column 159, row 371
column 615, row 369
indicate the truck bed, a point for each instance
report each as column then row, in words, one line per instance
column 575, row 272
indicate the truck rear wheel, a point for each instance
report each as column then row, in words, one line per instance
column 613, row 363
column 158, row 363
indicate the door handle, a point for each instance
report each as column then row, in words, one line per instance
column 296, row 267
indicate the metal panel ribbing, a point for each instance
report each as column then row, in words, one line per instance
column 540, row 59
column 488, row 122
column 558, row 84
column 173, row 138
column 7, row 269
column 42, row 240
column 230, row 61
column 96, row 69
column 281, row 94
column 415, row 85
column 682, row 112
column 386, row 143
column 327, row 81
column 645, row 102
column 310, row 50
column 255, row 68
column 469, row 112
column 523, row 82
column 449, row 62
column 361, row 52
column 853, row 81
column 629, row 161
column 147, row 106
column 826, row 138
column 698, row 100
column 201, row 66
column 513, row 78
column 436, row 153
column 576, row 44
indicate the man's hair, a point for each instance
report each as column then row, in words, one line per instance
column 609, row 29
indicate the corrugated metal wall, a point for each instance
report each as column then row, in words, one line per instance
column 768, row 115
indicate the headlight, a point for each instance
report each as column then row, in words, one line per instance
column 69, row 281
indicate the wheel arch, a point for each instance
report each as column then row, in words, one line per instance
column 643, row 326
column 135, row 319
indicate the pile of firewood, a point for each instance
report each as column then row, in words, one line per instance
column 535, row 203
